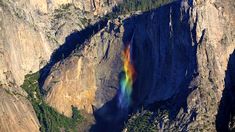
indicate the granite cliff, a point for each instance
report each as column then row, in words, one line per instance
column 187, row 46
column 89, row 77
column 182, row 53
column 30, row 31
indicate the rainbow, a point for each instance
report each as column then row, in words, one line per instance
column 127, row 79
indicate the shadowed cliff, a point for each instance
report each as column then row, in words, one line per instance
column 226, row 111
column 157, row 48
column 174, row 51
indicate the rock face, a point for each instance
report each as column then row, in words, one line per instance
column 22, row 49
column 30, row 30
column 225, row 119
column 180, row 52
column 89, row 77
column 171, row 38
column 16, row 113
column 96, row 6
column 45, row 6
column 29, row 36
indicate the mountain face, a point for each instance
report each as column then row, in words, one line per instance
column 30, row 31
column 46, row 27
column 182, row 52
column 17, row 112
column 91, row 72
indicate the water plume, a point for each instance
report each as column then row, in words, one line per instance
column 127, row 79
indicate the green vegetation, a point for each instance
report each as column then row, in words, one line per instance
column 142, row 5
column 146, row 121
column 84, row 20
column 129, row 6
column 76, row 114
column 62, row 11
column 48, row 117
column 141, row 122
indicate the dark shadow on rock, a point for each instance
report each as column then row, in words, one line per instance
column 172, row 47
column 72, row 42
column 109, row 117
column 227, row 104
